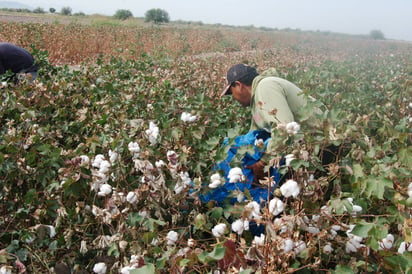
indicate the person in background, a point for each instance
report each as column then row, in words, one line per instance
column 273, row 100
column 18, row 61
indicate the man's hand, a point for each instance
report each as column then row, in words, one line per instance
column 258, row 170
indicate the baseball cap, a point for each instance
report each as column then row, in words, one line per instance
column 235, row 73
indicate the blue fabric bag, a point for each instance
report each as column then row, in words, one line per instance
column 258, row 193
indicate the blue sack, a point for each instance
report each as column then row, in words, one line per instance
column 258, row 193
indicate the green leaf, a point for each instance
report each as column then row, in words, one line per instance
column 342, row 269
column 375, row 186
column 362, row 229
column 405, row 156
column 147, row 269
column 216, row 254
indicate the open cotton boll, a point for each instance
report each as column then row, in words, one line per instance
column 410, row 190
column 219, row 230
column 405, row 246
column 172, row 237
column 100, row 268
column 133, row 147
column 235, row 175
column 215, row 180
column 290, row 188
column 187, row 117
column 327, row 248
column 259, row 240
column 152, row 133
column 240, row 225
column 299, row 246
column 292, row 128
column 287, row 245
column 387, row 242
column 97, row 160
column 131, row 197
column 254, row 208
column 289, row 158
column 104, row 190
column 276, row 206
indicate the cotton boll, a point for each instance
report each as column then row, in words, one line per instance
column 313, row 230
column 240, row 225
column 152, row 133
column 289, row 158
column 104, row 190
column 287, row 245
column 133, row 147
column 52, row 231
column 292, row 128
column 405, row 246
column 131, row 197
column 276, row 206
column 259, row 240
column 254, row 208
column 6, row 269
column 100, row 268
column 290, row 188
column 299, row 246
column 387, row 242
column 219, row 230
column 97, row 160
column 327, row 248
column 356, row 208
column 216, row 180
column 410, row 190
column 104, row 166
column 235, row 175
column 84, row 160
column 172, row 237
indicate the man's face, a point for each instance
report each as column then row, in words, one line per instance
column 241, row 93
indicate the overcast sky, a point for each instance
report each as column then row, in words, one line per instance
column 392, row 17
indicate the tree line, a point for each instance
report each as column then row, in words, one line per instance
column 153, row 15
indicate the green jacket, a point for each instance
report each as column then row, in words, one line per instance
column 274, row 100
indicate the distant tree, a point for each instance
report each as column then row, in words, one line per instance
column 80, row 13
column 157, row 16
column 123, row 14
column 38, row 10
column 66, row 11
column 52, row 10
column 377, row 35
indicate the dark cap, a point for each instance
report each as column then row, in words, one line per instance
column 238, row 72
